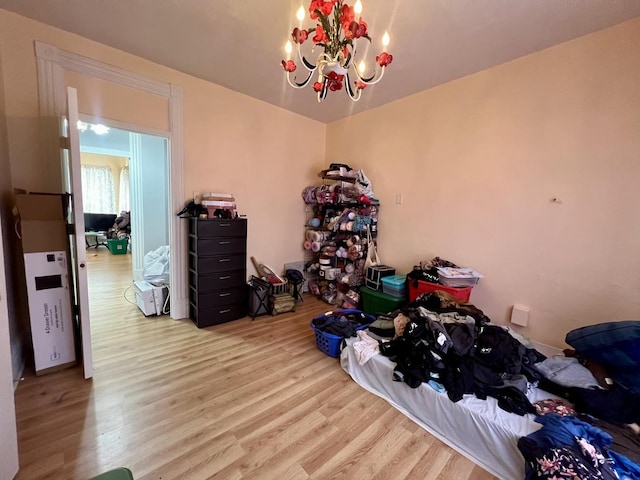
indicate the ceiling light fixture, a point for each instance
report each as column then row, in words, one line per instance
column 98, row 128
column 336, row 32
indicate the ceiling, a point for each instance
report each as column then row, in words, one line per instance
column 239, row 44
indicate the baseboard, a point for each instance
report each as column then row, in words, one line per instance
column 547, row 350
column 19, row 377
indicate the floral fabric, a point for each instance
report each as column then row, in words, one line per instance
column 580, row 461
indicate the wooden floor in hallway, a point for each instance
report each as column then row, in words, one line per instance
column 242, row 400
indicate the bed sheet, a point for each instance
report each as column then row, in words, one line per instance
column 478, row 429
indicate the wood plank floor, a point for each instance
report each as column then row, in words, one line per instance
column 242, row 400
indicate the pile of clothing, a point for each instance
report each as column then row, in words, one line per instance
column 591, row 431
column 452, row 346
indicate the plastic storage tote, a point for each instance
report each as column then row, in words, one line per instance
column 417, row 287
column 117, row 247
column 376, row 302
column 395, row 285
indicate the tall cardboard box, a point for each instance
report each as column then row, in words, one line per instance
column 46, row 258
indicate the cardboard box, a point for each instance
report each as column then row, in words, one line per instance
column 150, row 298
column 46, row 257
column 160, row 294
column 144, row 297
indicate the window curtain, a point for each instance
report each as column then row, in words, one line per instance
column 124, row 191
column 98, row 191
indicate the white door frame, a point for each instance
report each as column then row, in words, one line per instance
column 52, row 64
column 73, row 185
column 8, row 433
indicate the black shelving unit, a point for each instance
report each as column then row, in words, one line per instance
column 217, row 270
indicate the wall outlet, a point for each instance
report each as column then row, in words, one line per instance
column 520, row 315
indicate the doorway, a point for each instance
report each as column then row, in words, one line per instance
column 54, row 65
column 128, row 174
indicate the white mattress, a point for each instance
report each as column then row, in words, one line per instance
column 478, row 429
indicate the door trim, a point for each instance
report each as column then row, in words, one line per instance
column 52, row 63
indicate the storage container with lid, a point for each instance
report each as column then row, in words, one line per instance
column 395, row 285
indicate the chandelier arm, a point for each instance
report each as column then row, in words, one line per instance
column 353, row 96
column 372, row 80
column 302, row 84
column 322, row 94
column 307, row 64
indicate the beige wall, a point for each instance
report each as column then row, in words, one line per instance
column 479, row 160
column 103, row 99
column 232, row 143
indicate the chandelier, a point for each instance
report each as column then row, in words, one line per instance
column 337, row 31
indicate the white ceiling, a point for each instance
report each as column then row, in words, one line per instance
column 239, row 43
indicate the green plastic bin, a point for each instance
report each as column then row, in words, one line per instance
column 375, row 302
column 117, row 247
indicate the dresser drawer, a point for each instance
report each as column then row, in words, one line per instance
column 217, row 263
column 217, row 281
column 206, row 317
column 217, row 246
column 217, row 297
column 217, row 227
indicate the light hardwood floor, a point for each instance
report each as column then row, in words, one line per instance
column 242, row 400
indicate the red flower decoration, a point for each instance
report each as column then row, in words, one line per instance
column 360, row 85
column 334, row 81
column 347, row 16
column 324, row 6
column 384, row 59
column 299, row 36
column 289, row 65
column 350, row 29
column 315, row 5
column 327, row 7
column 320, row 36
column 317, row 87
column 361, row 29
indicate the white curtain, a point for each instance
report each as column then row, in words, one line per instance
column 98, row 191
column 124, row 191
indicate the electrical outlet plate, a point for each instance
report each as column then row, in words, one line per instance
column 520, row 315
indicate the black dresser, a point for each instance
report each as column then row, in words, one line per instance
column 217, row 270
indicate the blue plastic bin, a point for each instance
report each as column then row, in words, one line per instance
column 330, row 343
